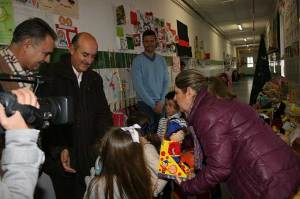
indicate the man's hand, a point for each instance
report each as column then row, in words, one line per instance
column 65, row 161
column 158, row 108
column 16, row 121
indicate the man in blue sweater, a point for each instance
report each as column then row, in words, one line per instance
column 150, row 79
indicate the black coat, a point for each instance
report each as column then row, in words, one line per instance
column 91, row 114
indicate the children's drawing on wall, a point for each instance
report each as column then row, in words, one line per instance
column 175, row 70
column 171, row 38
column 61, row 39
column 120, row 31
column 130, row 43
column 60, row 7
column 65, row 32
column 67, row 7
column 141, row 21
column 148, row 22
column 122, row 43
column 133, row 18
column 111, row 85
column 31, row 3
column 137, row 39
column 120, row 14
column 127, row 86
column 6, row 21
column 158, row 23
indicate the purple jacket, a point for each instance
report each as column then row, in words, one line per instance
column 241, row 150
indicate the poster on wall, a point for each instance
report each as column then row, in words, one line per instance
column 111, row 85
column 7, row 22
column 140, row 22
column 137, row 39
column 122, row 43
column 120, row 15
column 60, row 7
column 291, row 32
column 65, row 32
column 31, row 3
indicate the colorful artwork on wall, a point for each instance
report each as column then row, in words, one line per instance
column 65, row 32
column 7, row 21
column 60, row 7
column 120, row 15
column 141, row 21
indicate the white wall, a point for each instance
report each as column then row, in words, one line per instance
column 98, row 18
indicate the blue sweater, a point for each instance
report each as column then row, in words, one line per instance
column 150, row 78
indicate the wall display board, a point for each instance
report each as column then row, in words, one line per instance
column 60, row 7
column 131, row 23
column 6, row 21
column 291, row 33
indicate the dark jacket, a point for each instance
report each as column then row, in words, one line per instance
column 91, row 113
column 241, row 150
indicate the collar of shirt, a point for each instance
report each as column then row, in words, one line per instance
column 78, row 75
column 148, row 57
column 15, row 65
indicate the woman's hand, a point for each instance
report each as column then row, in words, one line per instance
column 179, row 180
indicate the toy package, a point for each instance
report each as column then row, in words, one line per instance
column 172, row 161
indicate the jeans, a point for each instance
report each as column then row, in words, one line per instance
column 154, row 117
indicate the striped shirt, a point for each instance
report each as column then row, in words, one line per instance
column 162, row 125
column 15, row 66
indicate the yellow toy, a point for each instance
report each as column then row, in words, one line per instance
column 168, row 167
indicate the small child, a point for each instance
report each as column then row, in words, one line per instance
column 172, row 112
column 150, row 143
column 121, row 170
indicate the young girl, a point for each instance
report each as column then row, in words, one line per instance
column 150, row 143
column 122, row 172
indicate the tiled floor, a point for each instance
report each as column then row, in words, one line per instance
column 242, row 88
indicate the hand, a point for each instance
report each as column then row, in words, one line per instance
column 16, row 121
column 178, row 136
column 26, row 97
column 179, row 180
column 65, row 161
column 158, row 108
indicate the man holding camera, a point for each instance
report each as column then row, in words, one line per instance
column 32, row 44
column 70, row 148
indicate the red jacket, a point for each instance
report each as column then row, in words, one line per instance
column 241, row 150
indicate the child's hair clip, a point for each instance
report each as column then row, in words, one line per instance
column 98, row 166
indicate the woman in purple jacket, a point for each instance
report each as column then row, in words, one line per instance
column 239, row 148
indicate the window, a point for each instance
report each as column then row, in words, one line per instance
column 249, row 62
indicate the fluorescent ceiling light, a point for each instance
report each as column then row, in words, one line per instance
column 240, row 27
column 227, row 1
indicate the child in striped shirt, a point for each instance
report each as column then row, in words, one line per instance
column 172, row 113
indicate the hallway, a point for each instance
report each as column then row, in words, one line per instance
column 242, row 88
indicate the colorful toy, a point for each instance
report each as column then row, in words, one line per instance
column 172, row 163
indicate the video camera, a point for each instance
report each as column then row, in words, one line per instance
column 53, row 110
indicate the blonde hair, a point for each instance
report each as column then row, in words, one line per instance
column 194, row 79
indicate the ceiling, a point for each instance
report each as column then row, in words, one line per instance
column 225, row 15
